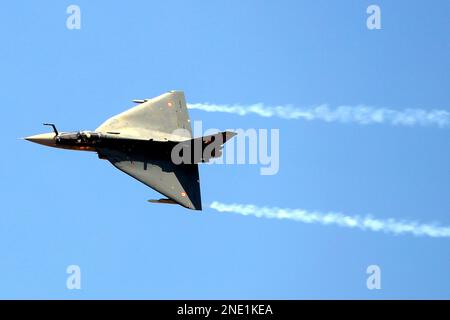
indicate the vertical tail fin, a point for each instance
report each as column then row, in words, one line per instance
column 203, row 149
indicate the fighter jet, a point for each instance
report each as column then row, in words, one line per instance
column 151, row 142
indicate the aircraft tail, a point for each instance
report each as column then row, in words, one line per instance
column 203, row 149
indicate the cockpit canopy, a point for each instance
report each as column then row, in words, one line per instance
column 78, row 136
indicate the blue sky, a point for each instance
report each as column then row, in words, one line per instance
column 61, row 208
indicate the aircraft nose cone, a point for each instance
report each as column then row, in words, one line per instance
column 47, row 139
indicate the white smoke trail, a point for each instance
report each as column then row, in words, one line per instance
column 332, row 218
column 344, row 114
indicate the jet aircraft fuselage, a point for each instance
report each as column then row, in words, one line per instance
column 97, row 141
